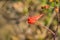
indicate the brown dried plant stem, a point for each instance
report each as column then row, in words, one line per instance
column 49, row 23
column 47, row 29
column 51, row 20
column 57, row 14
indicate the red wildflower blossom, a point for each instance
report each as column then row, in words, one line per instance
column 46, row 6
column 33, row 19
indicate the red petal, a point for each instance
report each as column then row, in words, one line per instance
column 32, row 20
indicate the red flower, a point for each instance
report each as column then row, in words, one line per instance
column 33, row 19
column 46, row 6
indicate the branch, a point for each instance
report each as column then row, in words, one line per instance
column 46, row 28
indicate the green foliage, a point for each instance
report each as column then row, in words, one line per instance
column 25, row 10
column 43, row 2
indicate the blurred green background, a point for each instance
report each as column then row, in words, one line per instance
column 14, row 24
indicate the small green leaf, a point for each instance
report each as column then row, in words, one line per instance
column 53, row 4
column 25, row 10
